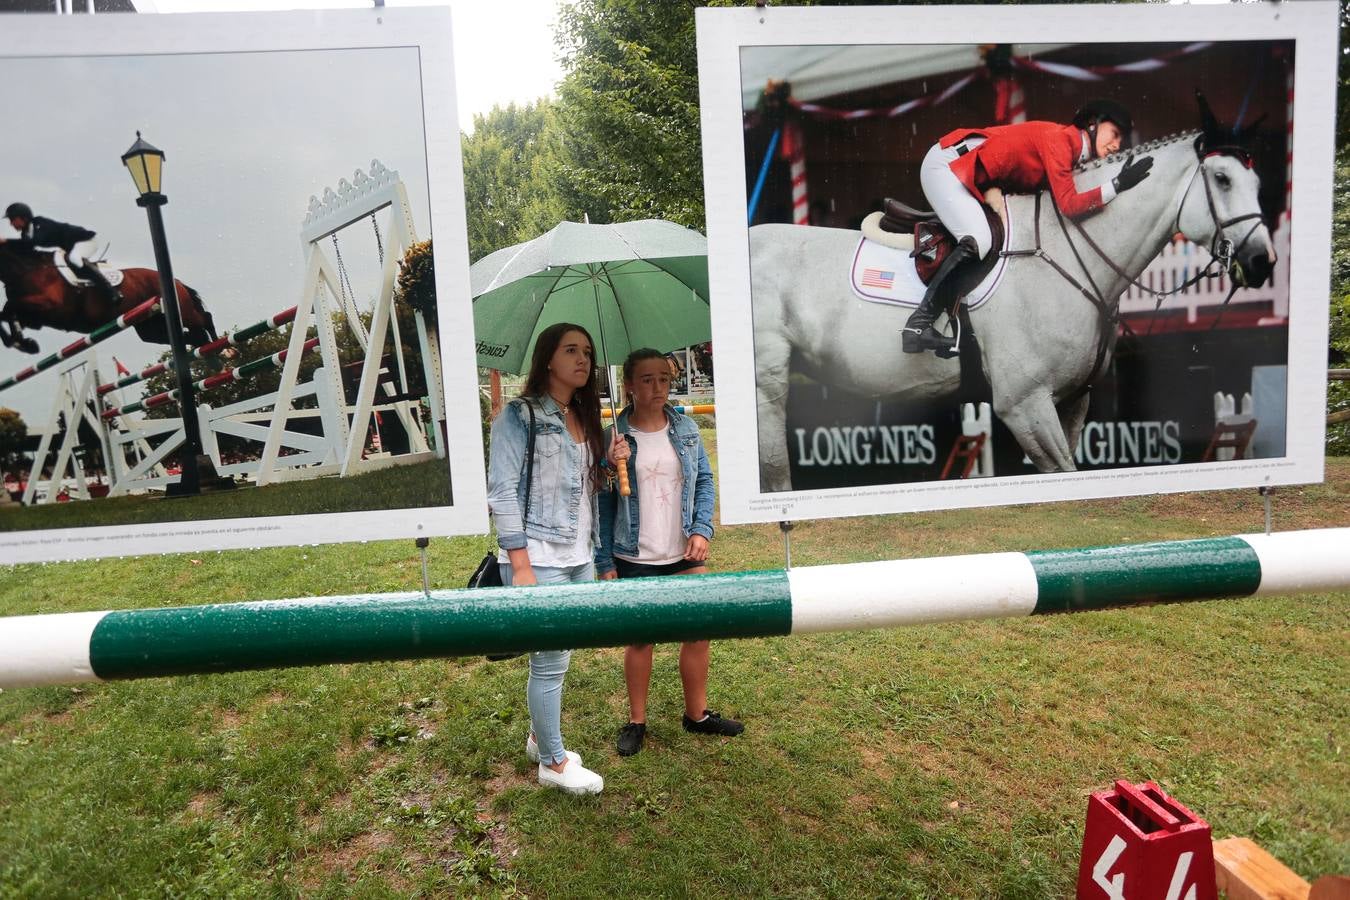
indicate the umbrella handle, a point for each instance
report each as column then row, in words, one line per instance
column 624, row 488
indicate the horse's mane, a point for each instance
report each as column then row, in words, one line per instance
column 26, row 254
column 1148, row 146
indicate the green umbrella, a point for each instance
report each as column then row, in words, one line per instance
column 630, row 284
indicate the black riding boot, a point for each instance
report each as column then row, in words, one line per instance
column 919, row 334
column 92, row 272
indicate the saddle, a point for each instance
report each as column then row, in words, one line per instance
column 931, row 242
column 114, row 276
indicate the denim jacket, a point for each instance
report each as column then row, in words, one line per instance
column 559, row 485
column 619, row 515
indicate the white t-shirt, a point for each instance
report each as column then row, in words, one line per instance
column 547, row 553
column 659, row 481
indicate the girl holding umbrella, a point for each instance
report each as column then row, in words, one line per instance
column 666, row 533
column 546, row 520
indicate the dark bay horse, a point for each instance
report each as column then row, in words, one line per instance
column 37, row 295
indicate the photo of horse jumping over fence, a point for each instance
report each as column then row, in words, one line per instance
column 138, row 449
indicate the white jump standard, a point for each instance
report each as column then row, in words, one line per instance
column 75, row 647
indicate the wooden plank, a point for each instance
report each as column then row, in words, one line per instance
column 1244, row 871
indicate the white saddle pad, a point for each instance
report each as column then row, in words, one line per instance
column 114, row 276
column 886, row 275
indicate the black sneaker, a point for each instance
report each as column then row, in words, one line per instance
column 630, row 738
column 712, row 723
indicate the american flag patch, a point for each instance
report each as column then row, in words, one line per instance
column 878, row 278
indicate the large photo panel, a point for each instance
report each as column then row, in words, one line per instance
column 308, row 161
column 965, row 257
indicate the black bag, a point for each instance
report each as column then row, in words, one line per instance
column 489, row 572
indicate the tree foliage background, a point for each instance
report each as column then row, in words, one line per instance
column 1338, row 392
column 13, row 431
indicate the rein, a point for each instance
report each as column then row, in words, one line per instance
column 1224, row 246
column 1107, row 316
column 1221, row 251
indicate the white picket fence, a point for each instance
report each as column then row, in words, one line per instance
column 1182, row 260
column 1228, row 411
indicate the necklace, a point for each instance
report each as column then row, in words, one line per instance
column 565, row 407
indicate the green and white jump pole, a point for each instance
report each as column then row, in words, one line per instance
column 96, row 646
column 232, row 339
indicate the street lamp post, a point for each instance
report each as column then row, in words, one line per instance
column 145, row 163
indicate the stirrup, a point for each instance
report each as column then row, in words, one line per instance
column 914, row 340
column 911, row 340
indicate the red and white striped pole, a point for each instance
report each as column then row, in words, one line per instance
column 1017, row 103
column 232, row 339
column 98, row 335
column 1010, row 103
column 211, row 381
column 794, row 149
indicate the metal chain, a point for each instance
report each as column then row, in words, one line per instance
column 344, row 281
column 379, row 244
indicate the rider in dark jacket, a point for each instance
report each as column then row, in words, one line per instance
column 76, row 241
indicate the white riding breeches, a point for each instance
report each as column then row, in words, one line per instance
column 954, row 204
column 80, row 253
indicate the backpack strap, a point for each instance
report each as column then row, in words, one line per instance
column 529, row 463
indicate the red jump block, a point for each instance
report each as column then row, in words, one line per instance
column 1140, row 844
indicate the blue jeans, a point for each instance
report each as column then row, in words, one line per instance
column 547, row 668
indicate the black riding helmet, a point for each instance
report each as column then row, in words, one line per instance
column 20, row 210
column 1094, row 111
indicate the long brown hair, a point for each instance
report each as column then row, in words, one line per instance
column 586, row 399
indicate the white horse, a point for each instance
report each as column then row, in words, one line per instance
column 1042, row 340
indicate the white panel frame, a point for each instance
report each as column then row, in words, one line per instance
column 722, row 33
column 428, row 30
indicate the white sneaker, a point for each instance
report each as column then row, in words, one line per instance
column 574, row 779
column 532, row 752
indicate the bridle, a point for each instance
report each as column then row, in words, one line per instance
column 1220, row 247
column 1222, row 252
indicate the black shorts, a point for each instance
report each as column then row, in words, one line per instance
column 627, row 569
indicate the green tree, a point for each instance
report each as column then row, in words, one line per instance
column 13, row 433
column 516, row 185
column 1338, row 392
column 1343, row 80
column 629, row 104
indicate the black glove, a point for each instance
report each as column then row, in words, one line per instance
column 1132, row 174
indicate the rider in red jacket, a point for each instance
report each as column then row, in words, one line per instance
column 1022, row 158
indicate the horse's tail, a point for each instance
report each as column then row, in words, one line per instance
column 208, row 323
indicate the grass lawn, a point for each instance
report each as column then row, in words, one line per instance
column 940, row 761
column 398, row 487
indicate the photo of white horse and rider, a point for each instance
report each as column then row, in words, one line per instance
column 988, row 260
